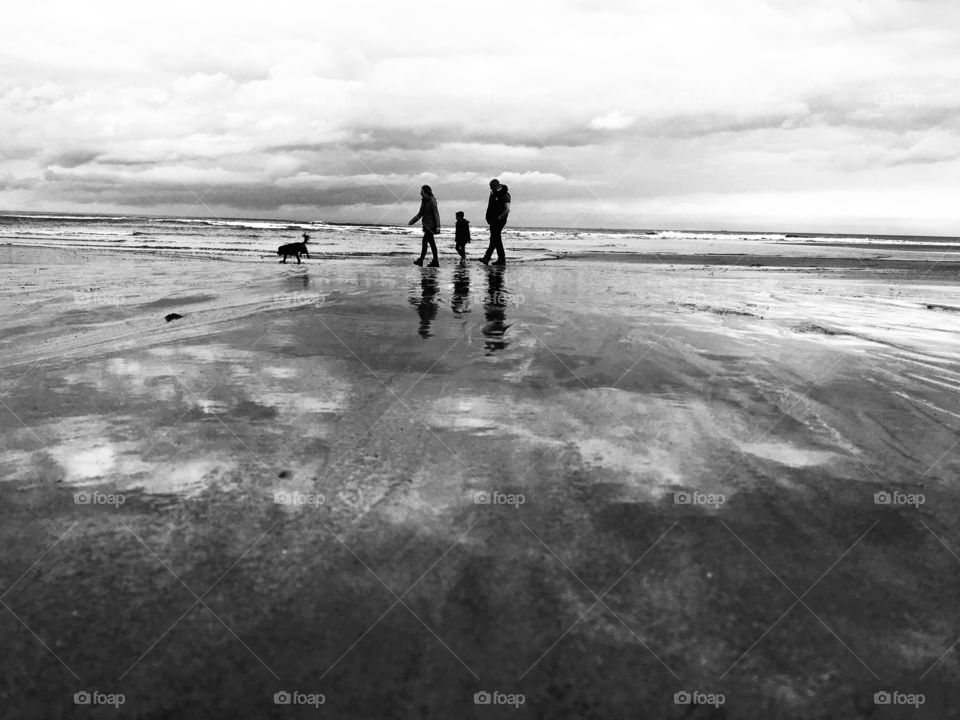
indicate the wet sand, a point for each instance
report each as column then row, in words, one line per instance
column 299, row 458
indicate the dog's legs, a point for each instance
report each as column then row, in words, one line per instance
column 284, row 261
column 298, row 258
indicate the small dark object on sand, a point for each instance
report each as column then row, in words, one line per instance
column 173, row 316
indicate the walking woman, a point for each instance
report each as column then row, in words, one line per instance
column 430, row 215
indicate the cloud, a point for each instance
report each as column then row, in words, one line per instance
column 74, row 158
column 8, row 182
column 611, row 121
column 534, row 177
column 572, row 99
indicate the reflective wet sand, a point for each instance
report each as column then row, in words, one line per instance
column 596, row 484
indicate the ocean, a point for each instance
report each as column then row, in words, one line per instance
column 246, row 239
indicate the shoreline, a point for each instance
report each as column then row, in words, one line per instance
column 30, row 254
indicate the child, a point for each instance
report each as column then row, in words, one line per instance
column 463, row 236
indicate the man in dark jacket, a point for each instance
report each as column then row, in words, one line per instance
column 498, row 208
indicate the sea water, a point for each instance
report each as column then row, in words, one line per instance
column 251, row 239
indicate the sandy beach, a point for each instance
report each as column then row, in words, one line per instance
column 593, row 483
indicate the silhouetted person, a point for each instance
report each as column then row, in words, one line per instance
column 460, row 302
column 494, row 310
column 498, row 208
column 426, row 304
column 430, row 216
column 462, row 237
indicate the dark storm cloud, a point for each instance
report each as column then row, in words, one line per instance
column 74, row 158
column 258, row 197
column 111, row 185
column 12, row 183
column 385, row 138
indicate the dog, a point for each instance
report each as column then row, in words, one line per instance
column 296, row 249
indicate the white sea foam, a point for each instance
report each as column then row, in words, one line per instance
column 255, row 238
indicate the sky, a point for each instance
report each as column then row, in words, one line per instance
column 821, row 115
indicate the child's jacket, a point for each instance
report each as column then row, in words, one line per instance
column 463, row 232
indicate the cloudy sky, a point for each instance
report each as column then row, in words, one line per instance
column 741, row 114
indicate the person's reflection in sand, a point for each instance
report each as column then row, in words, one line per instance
column 494, row 310
column 426, row 304
column 460, row 302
